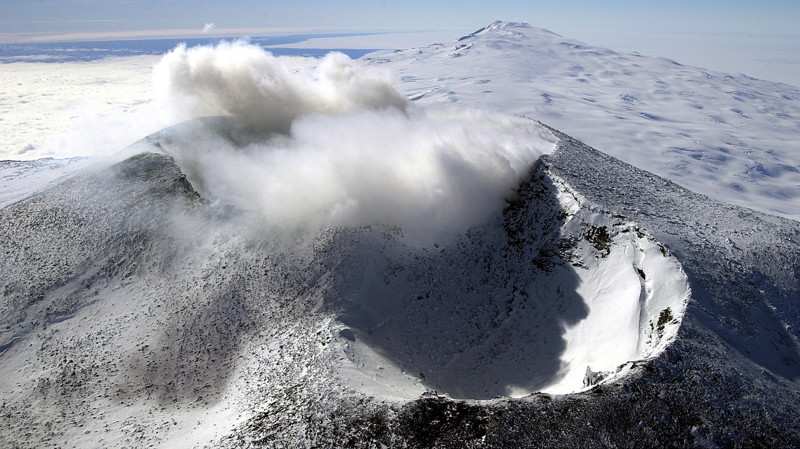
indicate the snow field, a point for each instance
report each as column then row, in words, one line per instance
column 731, row 137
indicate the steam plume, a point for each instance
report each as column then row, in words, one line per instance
column 339, row 145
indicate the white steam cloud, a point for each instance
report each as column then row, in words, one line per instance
column 339, row 145
column 253, row 86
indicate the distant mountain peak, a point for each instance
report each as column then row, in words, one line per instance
column 500, row 25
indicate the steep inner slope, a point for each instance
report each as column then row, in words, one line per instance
column 744, row 267
column 555, row 297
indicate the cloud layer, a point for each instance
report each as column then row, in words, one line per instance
column 339, row 145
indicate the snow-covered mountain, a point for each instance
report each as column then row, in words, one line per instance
column 600, row 305
column 730, row 137
column 20, row 179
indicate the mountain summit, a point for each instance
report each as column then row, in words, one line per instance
column 514, row 30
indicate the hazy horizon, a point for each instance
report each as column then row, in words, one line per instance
column 760, row 40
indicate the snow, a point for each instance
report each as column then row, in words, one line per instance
column 731, row 137
column 20, row 179
column 742, row 265
column 419, row 314
column 76, row 109
column 136, row 313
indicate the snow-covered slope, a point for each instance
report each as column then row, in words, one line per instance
column 141, row 314
column 20, row 179
column 565, row 290
column 731, row 137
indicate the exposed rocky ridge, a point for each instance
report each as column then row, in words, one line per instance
column 48, row 246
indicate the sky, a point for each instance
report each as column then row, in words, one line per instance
column 760, row 39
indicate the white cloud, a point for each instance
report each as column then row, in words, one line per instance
column 242, row 80
column 79, row 109
column 207, row 28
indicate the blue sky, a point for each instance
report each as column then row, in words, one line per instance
column 735, row 36
column 115, row 15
